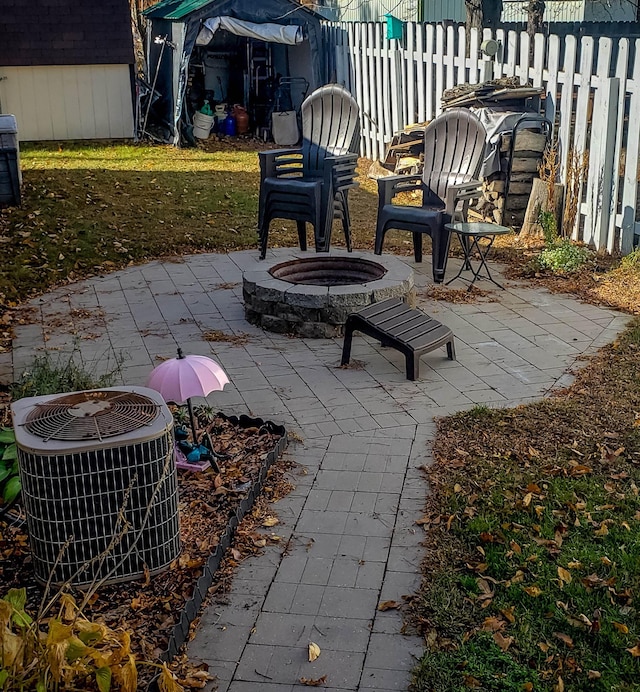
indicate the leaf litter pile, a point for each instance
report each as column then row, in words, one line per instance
column 149, row 609
column 532, row 569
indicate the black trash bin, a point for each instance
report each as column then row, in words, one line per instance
column 10, row 178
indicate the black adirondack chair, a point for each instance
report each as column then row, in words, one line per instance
column 311, row 183
column 453, row 151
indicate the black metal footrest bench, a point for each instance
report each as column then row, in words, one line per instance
column 395, row 324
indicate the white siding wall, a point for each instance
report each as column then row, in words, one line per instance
column 555, row 10
column 68, row 101
column 374, row 10
column 441, row 10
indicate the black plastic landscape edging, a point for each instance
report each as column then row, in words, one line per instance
column 191, row 608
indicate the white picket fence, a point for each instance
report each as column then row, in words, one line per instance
column 592, row 96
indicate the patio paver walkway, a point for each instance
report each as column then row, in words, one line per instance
column 350, row 522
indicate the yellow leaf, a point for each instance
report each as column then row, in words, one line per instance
column 509, row 613
column 91, row 633
column 634, row 651
column 527, row 687
column 314, row 652
column 58, row 632
column 12, row 650
column 533, row 591
column 129, row 675
column 166, row 681
column 574, row 565
column 594, row 675
column 515, row 547
column 559, row 686
column 270, row 521
column 526, row 500
column 517, row 577
column 544, row 647
column 564, row 575
column 621, row 627
column 602, row 531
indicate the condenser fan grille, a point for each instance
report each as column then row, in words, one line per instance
column 91, row 415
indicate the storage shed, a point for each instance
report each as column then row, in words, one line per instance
column 66, row 68
column 231, row 52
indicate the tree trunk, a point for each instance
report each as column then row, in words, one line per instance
column 531, row 233
column 535, row 15
column 475, row 16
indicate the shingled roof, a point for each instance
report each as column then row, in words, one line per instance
column 65, row 32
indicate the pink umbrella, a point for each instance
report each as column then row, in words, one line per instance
column 181, row 378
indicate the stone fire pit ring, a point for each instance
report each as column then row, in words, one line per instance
column 287, row 293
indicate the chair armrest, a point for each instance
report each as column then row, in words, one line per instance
column 277, row 162
column 461, row 191
column 342, row 170
column 391, row 185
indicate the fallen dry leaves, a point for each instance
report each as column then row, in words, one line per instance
column 150, row 608
column 314, row 652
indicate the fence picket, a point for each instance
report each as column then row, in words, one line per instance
column 424, row 87
column 539, row 54
column 613, row 239
column 450, row 58
column 439, row 68
column 592, row 108
column 566, row 100
column 377, row 77
column 551, row 75
column 522, row 68
column 461, row 59
column 512, row 51
column 474, row 52
column 628, row 222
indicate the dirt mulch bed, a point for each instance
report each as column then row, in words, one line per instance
column 149, row 610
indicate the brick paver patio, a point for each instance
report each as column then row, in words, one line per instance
column 350, row 523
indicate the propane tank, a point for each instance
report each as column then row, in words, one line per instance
column 242, row 119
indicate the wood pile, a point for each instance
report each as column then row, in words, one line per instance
column 405, row 152
column 522, row 170
column 497, row 91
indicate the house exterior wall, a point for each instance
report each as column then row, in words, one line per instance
column 574, row 11
column 444, row 10
column 65, row 32
column 374, row 10
column 68, row 101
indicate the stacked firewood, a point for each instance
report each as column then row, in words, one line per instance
column 523, row 169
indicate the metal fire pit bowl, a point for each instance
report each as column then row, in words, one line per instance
column 312, row 296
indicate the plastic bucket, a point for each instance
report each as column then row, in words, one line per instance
column 202, row 125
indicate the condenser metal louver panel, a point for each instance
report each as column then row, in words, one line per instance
column 99, row 484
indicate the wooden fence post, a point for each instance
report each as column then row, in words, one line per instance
column 601, row 162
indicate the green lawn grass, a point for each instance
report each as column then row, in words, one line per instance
column 533, row 554
column 93, row 207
